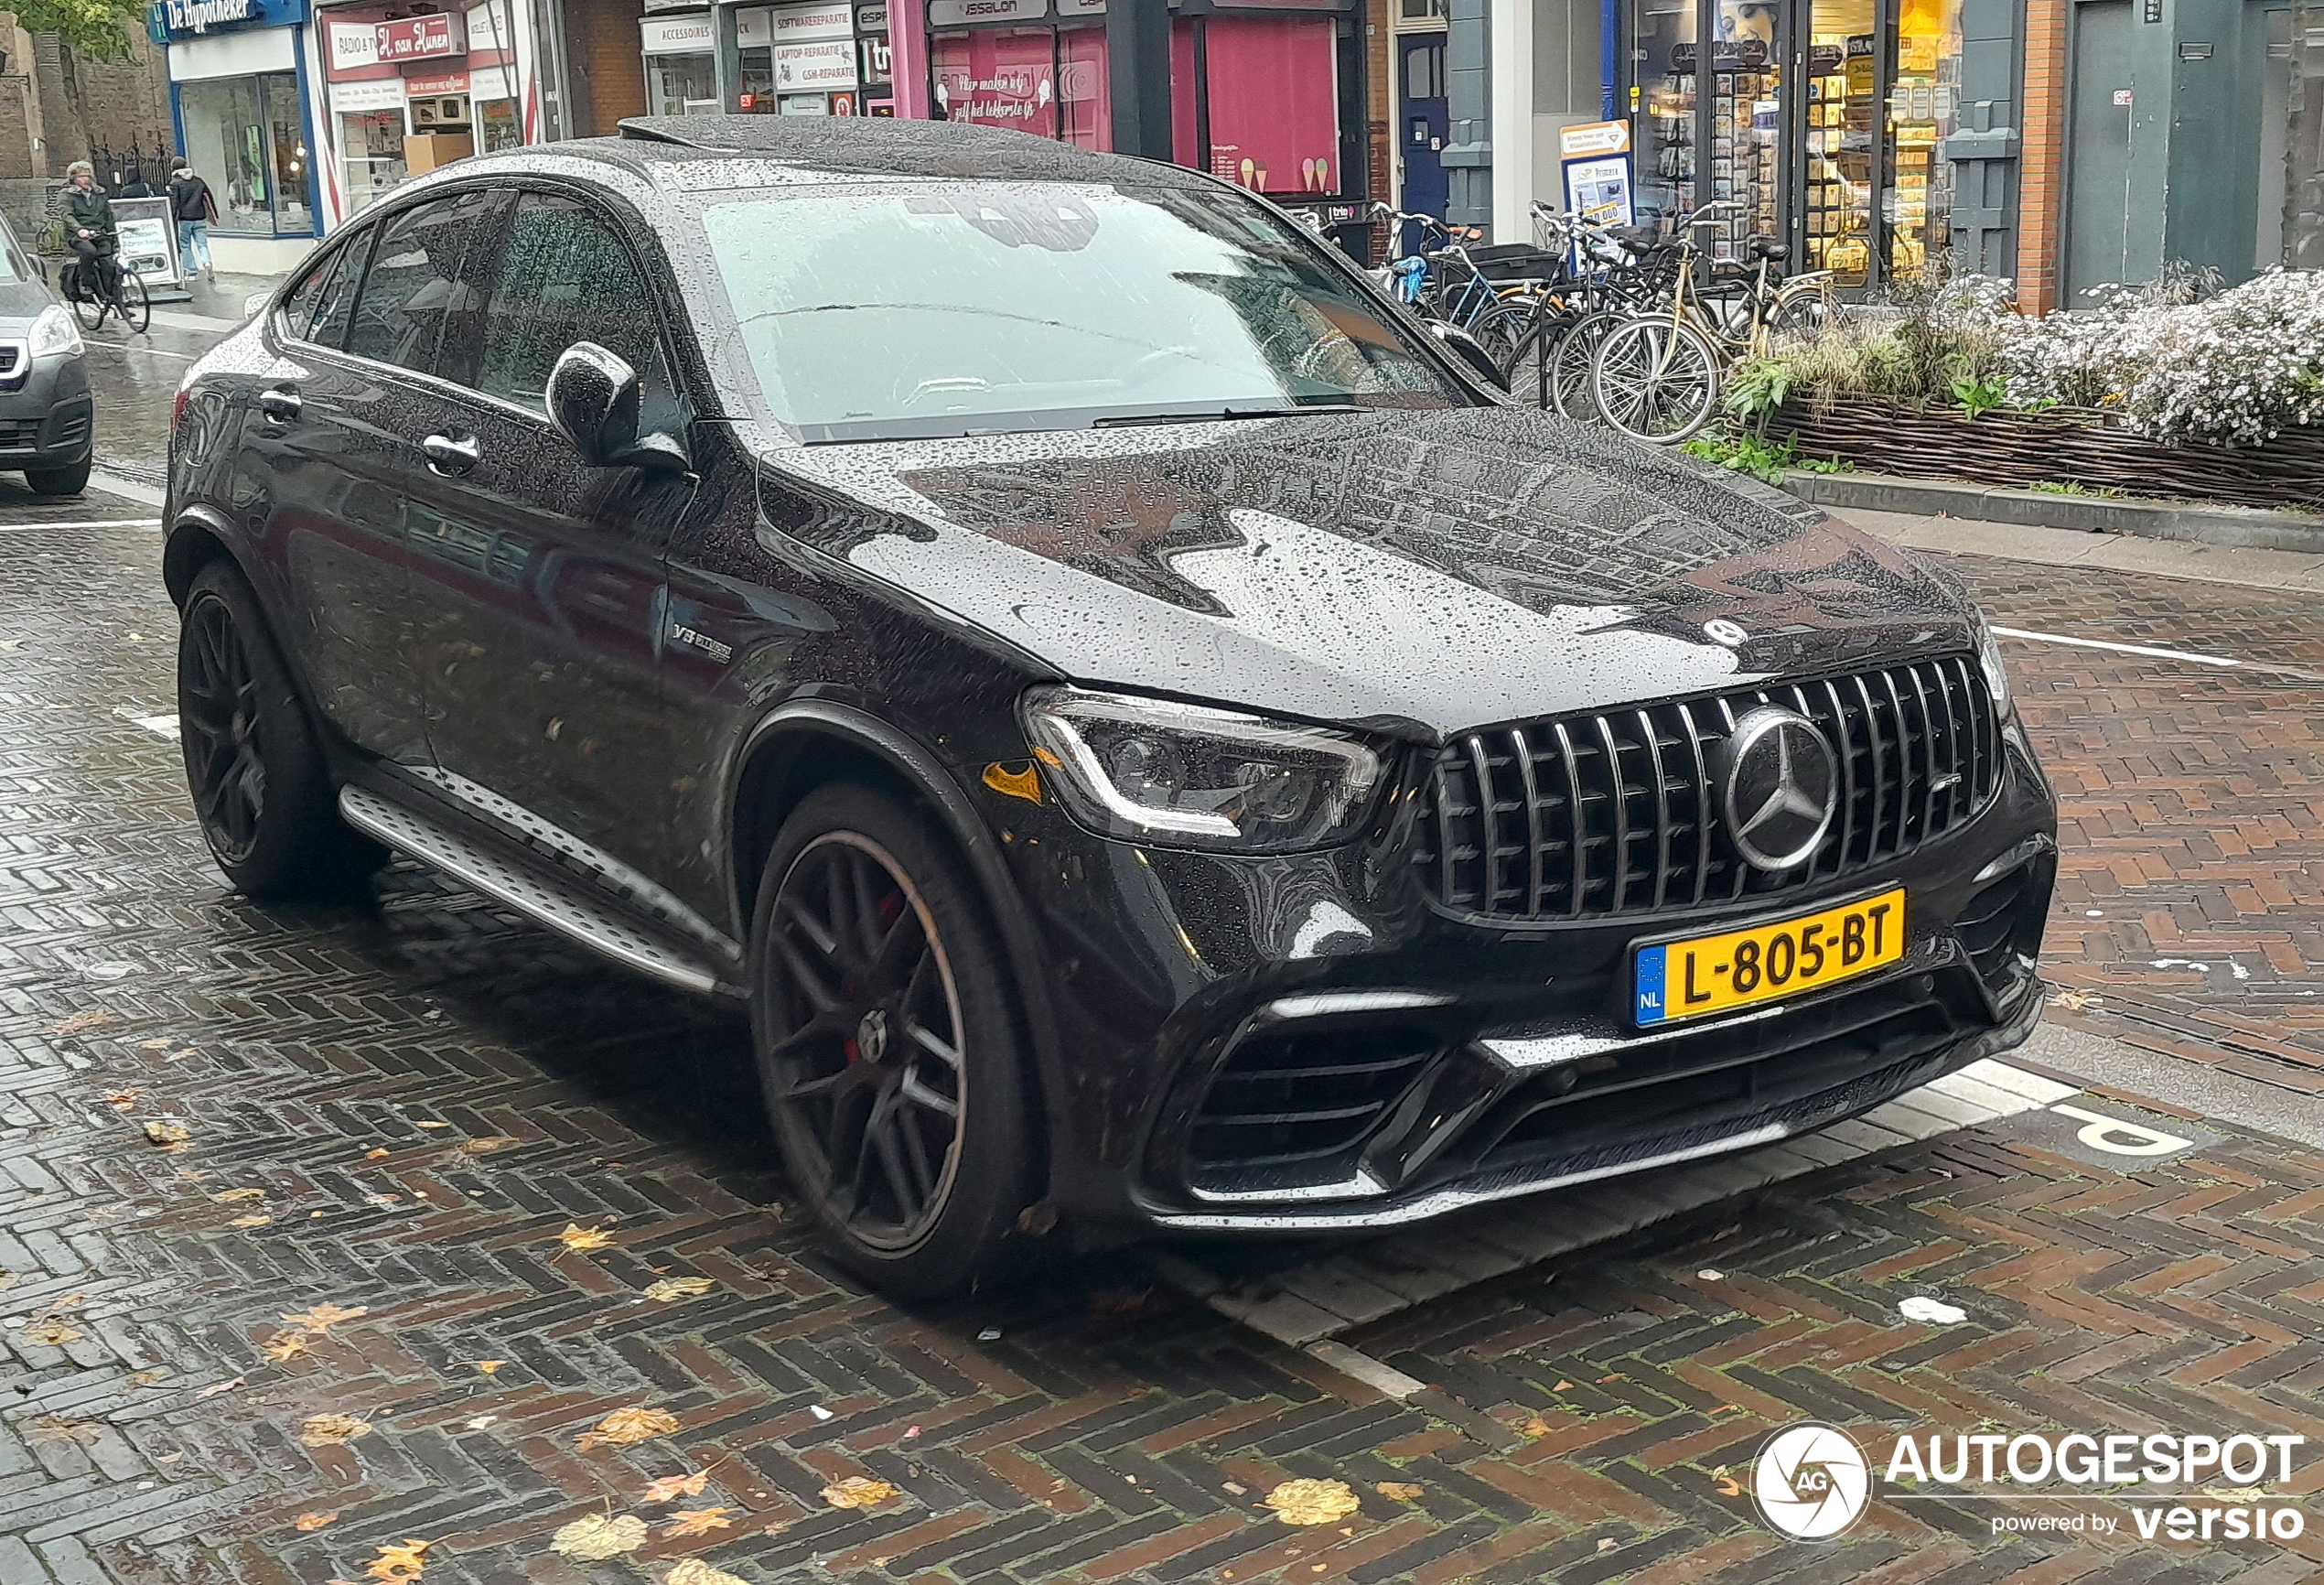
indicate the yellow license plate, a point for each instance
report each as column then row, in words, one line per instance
column 1712, row 974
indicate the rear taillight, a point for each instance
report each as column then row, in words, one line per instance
column 177, row 406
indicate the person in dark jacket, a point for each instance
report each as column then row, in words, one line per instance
column 90, row 231
column 136, row 185
column 194, row 209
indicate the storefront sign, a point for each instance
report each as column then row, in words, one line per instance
column 351, row 47
column 959, row 13
column 423, row 39
column 871, row 18
column 814, row 67
column 1594, row 159
column 485, row 31
column 366, row 98
column 879, row 60
column 429, row 85
column 798, row 24
column 691, row 35
column 1080, row 7
column 148, row 241
column 168, row 19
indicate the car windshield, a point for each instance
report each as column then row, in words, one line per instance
column 890, row 311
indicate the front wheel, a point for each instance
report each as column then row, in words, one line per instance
column 137, row 307
column 1655, row 380
column 890, row 1042
column 70, row 479
column 87, row 306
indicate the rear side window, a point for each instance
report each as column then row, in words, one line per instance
column 566, row 276
column 415, row 288
column 317, row 309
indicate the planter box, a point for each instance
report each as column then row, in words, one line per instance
column 2062, row 446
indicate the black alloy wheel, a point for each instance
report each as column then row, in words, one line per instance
column 260, row 789
column 888, row 1043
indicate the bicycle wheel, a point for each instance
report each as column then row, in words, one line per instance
column 1528, row 366
column 1655, row 381
column 1498, row 325
column 1570, row 362
column 1803, row 311
column 87, row 306
column 137, row 307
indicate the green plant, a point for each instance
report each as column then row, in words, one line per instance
column 1745, row 452
column 2057, row 487
column 1980, row 395
column 95, row 29
column 1755, row 388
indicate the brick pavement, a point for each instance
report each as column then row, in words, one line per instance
column 1108, row 1431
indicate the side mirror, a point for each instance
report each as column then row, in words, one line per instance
column 1469, row 350
column 593, row 398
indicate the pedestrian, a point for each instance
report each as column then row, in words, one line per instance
column 136, row 185
column 91, row 231
column 194, row 208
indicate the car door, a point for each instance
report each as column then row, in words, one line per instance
column 539, row 576
column 310, row 485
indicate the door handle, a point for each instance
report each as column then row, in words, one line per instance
column 281, row 404
column 446, row 455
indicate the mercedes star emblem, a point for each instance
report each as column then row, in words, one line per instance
column 1782, row 788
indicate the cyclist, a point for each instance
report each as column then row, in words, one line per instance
column 91, row 232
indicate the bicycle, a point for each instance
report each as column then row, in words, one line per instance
column 1473, row 288
column 128, row 297
column 1657, row 376
column 1623, row 271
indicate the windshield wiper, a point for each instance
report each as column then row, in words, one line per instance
column 1118, row 420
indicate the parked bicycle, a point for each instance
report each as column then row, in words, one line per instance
column 1480, row 288
column 1604, row 275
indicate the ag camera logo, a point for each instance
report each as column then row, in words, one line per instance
column 1812, row 1481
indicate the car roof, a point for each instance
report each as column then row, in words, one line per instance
column 849, row 147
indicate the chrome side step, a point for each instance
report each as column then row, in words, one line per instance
column 473, row 863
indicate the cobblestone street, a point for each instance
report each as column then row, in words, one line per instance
column 327, row 1232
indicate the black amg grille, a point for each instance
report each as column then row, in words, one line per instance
column 1280, row 1101
column 1617, row 813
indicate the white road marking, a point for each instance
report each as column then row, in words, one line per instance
column 2124, row 649
column 102, row 522
column 132, row 346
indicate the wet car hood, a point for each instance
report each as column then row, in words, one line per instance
column 1421, row 571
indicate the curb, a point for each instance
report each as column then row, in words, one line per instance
column 2238, row 527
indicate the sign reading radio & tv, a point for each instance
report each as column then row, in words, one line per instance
column 168, row 19
column 438, row 38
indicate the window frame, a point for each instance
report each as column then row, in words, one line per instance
column 329, row 258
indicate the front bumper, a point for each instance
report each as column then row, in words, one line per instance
column 46, row 413
column 1303, row 1044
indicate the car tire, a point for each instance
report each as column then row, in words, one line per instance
column 879, row 999
column 253, row 765
column 70, row 479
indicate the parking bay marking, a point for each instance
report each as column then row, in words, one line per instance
column 2148, row 650
column 103, row 523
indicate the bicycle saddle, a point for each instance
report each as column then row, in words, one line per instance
column 1771, row 248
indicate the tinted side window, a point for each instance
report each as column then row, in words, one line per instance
column 415, row 285
column 297, row 312
column 564, row 277
column 335, row 304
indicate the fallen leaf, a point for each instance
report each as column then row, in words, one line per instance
column 161, row 1045
column 857, row 1492
column 52, row 1334
column 228, row 1196
column 594, row 1538
column 314, row 1521
column 625, row 1428
column 481, row 1422
column 398, row 1563
column 1398, row 1490
column 323, row 1317
column 1535, row 1426
column 698, row 1522
column 672, row 1288
column 260, row 1221
column 377, row 1155
column 694, row 1571
column 674, row 1486
column 1606, row 1544
column 167, row 1134
column 1307, row 1502
column 432, row 1125
column 332, row 1430
column 1237, row 1488
column 489, row 1365
column 143, row 1378
column 284, row 1345
column 121, row 1100
column 1726, row 1484
column 214, row 1388
column 56, row 1429
column 1561, row 1386
column 486, row 1146
column 80, row 1023
column 581, row 1240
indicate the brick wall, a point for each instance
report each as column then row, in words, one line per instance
column 2042, row 156
column 122, row 103
column 1379, row 111
column 16, row 127
column 606, row 63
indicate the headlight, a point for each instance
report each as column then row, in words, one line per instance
column 1184, row 776
column 1989, row 661
column 54, row 332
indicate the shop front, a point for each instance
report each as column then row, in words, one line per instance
column 801, row 60
column 405, row 95
column 1268, row 96
column 1825, row 119
column 239, row 95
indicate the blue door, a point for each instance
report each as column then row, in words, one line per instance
column 1423, row 125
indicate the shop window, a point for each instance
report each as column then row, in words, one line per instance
column 371, row 148
column 998, row 77
column 564, row 278
column 1084, row 93
column 1274, row 102
column 244, row 134
column 680, row 85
